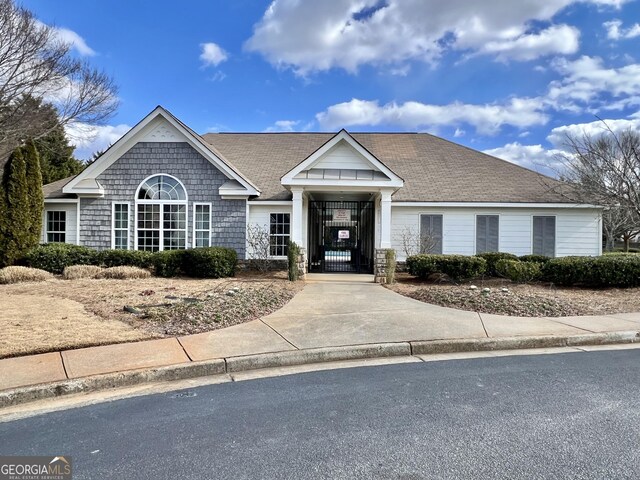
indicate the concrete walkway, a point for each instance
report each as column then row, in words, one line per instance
column 328, row 312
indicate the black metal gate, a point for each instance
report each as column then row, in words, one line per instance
column 341, row 236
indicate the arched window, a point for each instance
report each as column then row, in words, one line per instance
column 161, row 214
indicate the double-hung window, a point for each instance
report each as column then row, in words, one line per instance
column 56, row 226
column 430, row 233
column 120, row 219
column 487, row 233
column 544, row 235
column 201, row 224
column 279, row 231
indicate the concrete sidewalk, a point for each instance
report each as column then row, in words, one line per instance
column 324, row 314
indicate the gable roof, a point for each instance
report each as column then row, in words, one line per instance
column 433, row 169
column 289, row 178
column 54, row 189
column 113, row 153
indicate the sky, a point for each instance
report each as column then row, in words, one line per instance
column 511, row 78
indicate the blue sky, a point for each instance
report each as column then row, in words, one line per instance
column 510, row 78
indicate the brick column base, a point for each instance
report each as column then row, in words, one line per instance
column 380, row 265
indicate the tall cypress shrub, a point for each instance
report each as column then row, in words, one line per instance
column 35, row 197
column 15, row 221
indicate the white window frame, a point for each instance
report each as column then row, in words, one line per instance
column 162, row 204
column 555, row 233
column 195, row 230
column 47, row 231
column 113, row 224
column 278, row 257
column 475, row 229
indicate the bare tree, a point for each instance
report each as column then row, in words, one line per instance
column 258, row 247
column 603, row 169
column 414, row 241
column 37, row 68
column 619, row 223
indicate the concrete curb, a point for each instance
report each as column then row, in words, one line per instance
column 301, row 357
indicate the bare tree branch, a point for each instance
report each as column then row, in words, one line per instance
column 36, row 69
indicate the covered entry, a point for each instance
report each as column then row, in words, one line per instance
column 341, row 235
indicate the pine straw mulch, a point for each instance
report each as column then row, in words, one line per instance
column 534, row 300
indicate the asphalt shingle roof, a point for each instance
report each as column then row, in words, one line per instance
column 433, row 169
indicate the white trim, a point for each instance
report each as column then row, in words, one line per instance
column 600, row 234
column 289, row 179
column 113, row 223
column 270, row 202
column 78, row 222
column 162, row 203
column 279, row 257
column 494, row 205
column 555, row 234
column 194, row 205
column 186, row 194
column 61, row 200
column 144, row 126
column 46, row 225
column 475, row 229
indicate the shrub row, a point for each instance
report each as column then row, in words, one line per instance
column 211, row 262
column 518, row 271
column 458, row 267
column 605, row 271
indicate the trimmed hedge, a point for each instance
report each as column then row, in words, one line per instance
column 606, row 271
column 519, row 272
column 210, row 262
column 457, row 267
column 125, row 258
column 54, row 257
column 167, row 263
column 534, row 258
column 492, row 258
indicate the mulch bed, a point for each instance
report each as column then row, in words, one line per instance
column 533, row 300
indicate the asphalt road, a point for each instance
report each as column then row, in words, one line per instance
column 547, row 416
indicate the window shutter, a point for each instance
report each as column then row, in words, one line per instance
column 481, row 233
column 544, row 236
column 493, row 233
column 431, row 225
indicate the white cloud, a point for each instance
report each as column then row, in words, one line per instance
column 71, row 38
column 212, row 54
column 89, row 139
column 316, row 36
column 486, row 119
column 586, row 79
column 533, row 157
column 557, row 39
column 558, row 136
column 283, row 126
column 616, row 32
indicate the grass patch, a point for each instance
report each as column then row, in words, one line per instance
column 75, row 272
column 23, row 274
column 123, row 273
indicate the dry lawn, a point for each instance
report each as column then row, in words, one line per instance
column 61, row 314
column 534, row 300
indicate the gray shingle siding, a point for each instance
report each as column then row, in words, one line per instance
column 200, row 178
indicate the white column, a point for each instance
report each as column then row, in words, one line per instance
column 385, row 219
column 296, row 221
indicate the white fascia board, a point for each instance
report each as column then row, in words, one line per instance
column 495, row 205
column 61, row 200
column 288, row 178
column 350, row 184
column 270, row 202
column 226, row 196
column 130, row 139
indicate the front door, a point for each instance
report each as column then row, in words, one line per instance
column 341, row 236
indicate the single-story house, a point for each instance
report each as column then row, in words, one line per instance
column 341, row 196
